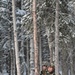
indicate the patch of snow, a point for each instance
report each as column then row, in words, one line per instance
column 74, row 3
column 6, row 45
column 70, row 4
column 20, row 12
column 21, row 55
column 1, row 28
column 4, row 72
column 60, row 34
column 43, row 5
column 4, row 0
column 2, row 9
column 60, row 72
column 60, row 2
column 73, row 35
column 18, row 22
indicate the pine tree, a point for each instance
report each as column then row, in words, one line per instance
column 15, row 39
column 56, row 39
column 35, row 39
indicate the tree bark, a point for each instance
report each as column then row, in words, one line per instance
column 31, row 57
column 15, row 39
column 74, row 7
column 28, row 57
column 35, row 39
column 64, row 64
column 71, row 55
column 49, row 42
column 71, row 63
column 56, row 39
column 40, row 50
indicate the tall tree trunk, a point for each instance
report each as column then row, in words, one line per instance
column 15, row 39
column 49, row 41
column 23, row 63
column 71, row 54
column 40, row 51
column 49, row 28
column 28, row 57
column 50, row 44
column 13, row 62
column 64, row 64
column 35, row 39
column 56, row 39
column 31, row 57
column 74, row 7
column 12, row 54
column 71, row 63
column 64, row 67
column 73, row 47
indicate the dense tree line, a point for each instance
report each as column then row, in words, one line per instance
column 45, row 35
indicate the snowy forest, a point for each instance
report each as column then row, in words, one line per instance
column 35, row 33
